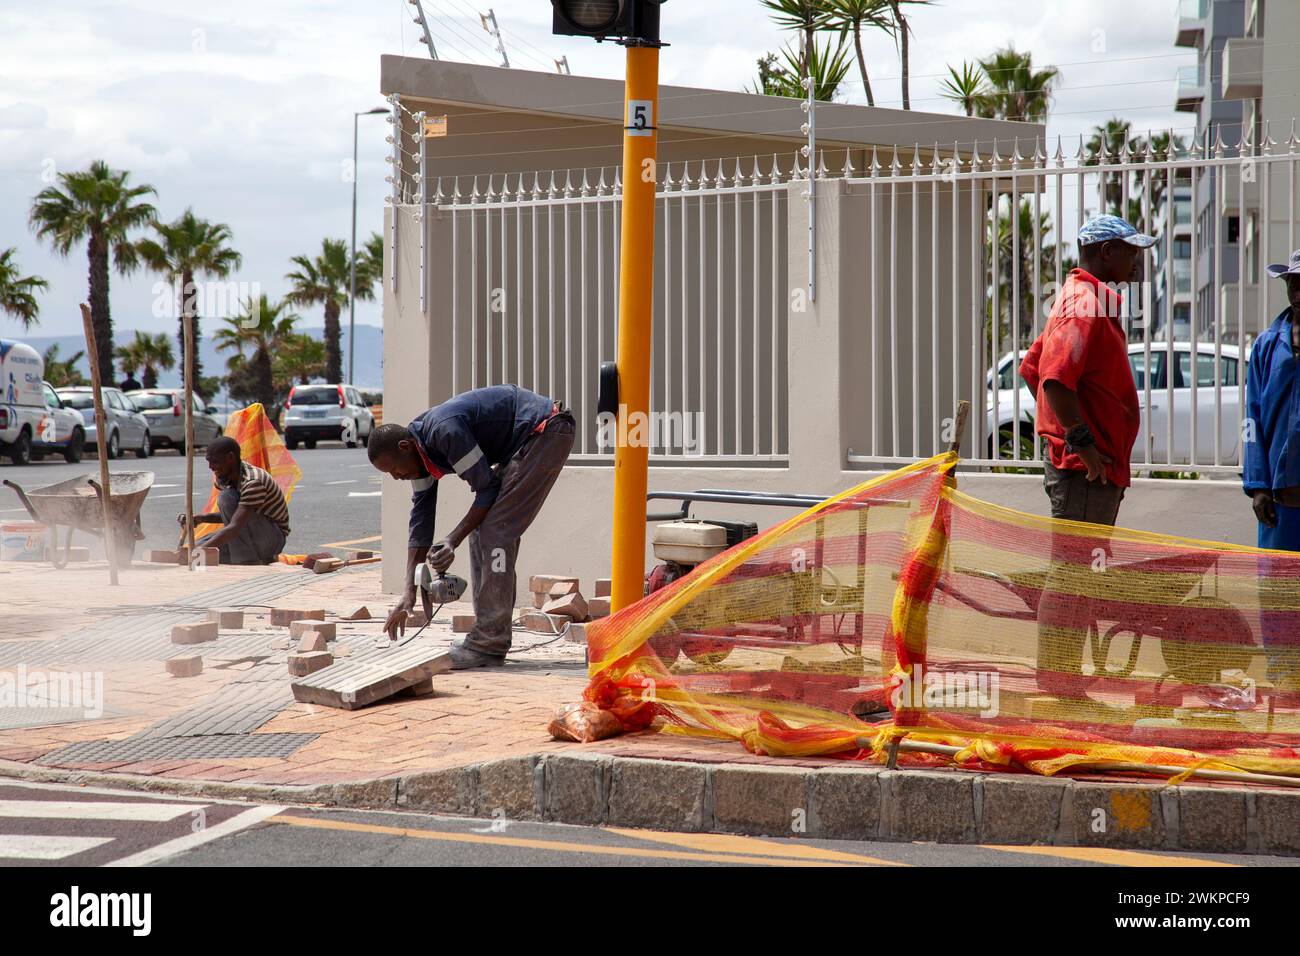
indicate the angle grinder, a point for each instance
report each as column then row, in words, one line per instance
column 437, row 587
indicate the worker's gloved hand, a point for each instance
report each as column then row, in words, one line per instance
column 441, row 555
column 1264, row 511
column 395, row 626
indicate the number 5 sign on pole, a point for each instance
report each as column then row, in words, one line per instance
column 640, row 118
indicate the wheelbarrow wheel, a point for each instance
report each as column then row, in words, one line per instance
column 1206, row 637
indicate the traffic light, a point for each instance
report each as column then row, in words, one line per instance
column 633, row 21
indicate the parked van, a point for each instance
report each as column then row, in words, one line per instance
column 33, row 419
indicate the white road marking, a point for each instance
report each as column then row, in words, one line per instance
column 188, row 842
column 179, row 494
column 95, row 810
column 345, row 481
column 165, row 486
column 15, row 847
column 364, row 494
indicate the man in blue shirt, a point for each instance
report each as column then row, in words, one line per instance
column 509, row 445
column 1271, row 445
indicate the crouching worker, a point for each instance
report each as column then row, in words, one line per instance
column 250, row 505
column 509, row 445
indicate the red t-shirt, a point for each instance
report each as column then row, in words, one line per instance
column 1083, row 347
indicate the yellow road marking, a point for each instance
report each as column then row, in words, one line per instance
column 1096, row 854
column 343, row 544
column 725, row 843
column 557, row 846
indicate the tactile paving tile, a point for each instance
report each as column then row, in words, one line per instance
column 231, row 747
column 357, row 682
column 240, row 707
column 13, row 718
column 229, row 647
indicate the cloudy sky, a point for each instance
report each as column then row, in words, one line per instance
column 243, row 109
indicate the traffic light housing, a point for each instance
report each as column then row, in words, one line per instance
column 634, row 22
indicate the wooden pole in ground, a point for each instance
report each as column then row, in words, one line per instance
column 101, row 435
column 187, row 321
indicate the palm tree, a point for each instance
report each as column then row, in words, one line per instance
column 803, row 16
column 967, row 87
column 852, row 15
column 325, row 280
column 1106, row 145
column 18, row 292
column 829, row 68
column 98, row 205
column 1016, row 90
column 60, row 373
column 148, row 352
column 902, row 30
column 260, row 328
column 299, row 356
column 187, row 248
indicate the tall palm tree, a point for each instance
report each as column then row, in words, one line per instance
column 63, row 373
column 99, row 205
column 325, row 281
column 1017, row 91
column 902, row 31
column 260, row 329
column 853, row 15
column 967, row 87
column 299, row 356
column 148, row 352
column 805, row 17
column 1105, row 146
column 18, row 292
column 187, row 248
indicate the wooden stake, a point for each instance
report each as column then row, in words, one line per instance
column 187, row 322
column 963, row 412
column 101, row 432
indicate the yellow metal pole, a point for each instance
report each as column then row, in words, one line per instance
column 635, row 320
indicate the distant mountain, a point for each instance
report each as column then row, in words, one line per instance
column 369, row 355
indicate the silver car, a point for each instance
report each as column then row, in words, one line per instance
column 165, row 410
column 127, row 428
column 315, row 413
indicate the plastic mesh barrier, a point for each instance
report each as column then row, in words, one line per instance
column 906, row 608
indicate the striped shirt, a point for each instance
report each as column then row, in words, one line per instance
column 258, row 490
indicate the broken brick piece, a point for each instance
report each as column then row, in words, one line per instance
column 362, row 555
column 194, row 633
column 572, row 606
column 563, row 588
column 575, row 633
column 283, row 617
column 360, row 614
column 542, row 623
column 462, row 623
column 300, row 665
column 161, row 557
column 542, row 583
column 227, row 620
column 298, row 628
column 422, row 689
column 598, row 607
column 204, row 557
column 540, row 599
column 185, row 666
column 604, row 587
column 311, row 641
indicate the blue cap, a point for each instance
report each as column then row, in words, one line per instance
column 1101, row 228
column 1291, row 268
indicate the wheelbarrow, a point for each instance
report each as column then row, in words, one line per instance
column 75, row 504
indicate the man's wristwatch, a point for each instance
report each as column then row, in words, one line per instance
column 1080, row 436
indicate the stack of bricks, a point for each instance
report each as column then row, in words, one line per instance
column 558, row 604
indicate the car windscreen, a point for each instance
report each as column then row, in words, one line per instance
column 79, row 400
column 315, row 395
column 145, row 400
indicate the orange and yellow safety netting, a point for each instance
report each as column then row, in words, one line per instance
column 261, row 445
column 903, row 607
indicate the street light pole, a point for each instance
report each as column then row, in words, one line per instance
column 352, row 290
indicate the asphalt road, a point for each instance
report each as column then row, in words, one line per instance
column 54, row 825
column 336, row 500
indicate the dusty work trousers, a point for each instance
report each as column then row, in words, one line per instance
column 259, row 541
column 1065, row 612
column 526, row 480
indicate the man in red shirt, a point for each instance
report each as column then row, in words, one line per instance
column 1087, row 404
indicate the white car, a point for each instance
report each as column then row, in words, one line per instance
column 1156, row 418
column 33, row 420
column 315, row 413
column 128, row 429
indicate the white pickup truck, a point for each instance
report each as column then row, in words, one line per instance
column 33, row 419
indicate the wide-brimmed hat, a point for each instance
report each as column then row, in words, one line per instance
column 1290, row 268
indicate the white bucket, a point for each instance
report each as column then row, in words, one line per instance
column 23, row 541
